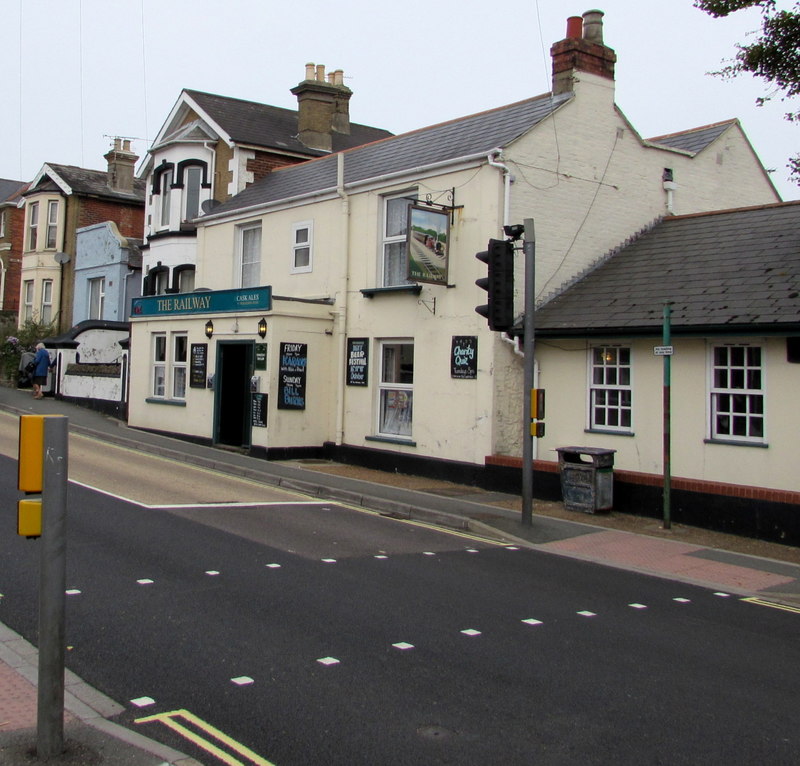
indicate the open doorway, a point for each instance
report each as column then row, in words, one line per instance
column 232, row 393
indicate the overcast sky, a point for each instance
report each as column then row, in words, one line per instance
column 76, row 72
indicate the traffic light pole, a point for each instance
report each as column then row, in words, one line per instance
column 529, row 251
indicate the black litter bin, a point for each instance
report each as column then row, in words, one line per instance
column 587, row 478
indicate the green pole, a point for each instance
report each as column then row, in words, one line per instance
column 666, row 340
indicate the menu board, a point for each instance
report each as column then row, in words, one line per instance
column 357, row 361
column 198, row 362
column 464, row 357
column 258, row 410
column 292, row 376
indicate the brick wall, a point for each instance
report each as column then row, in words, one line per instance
column 15, row 232
column 265, row 162
column 129, row 220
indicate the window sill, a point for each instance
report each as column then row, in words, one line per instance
column 391, row 440
column 736, row 443
column 170, row 402
column 371, row 292
column 608, row 432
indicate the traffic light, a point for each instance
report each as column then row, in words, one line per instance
column 499, row 284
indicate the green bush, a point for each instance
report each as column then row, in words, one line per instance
column 15, row 341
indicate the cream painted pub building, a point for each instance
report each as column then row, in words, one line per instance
column 341, row 315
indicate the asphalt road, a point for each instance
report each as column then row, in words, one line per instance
column 313, row 634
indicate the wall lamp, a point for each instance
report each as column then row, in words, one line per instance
column 209, row 329
column 262, row 327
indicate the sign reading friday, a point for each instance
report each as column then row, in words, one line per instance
column 207, row 302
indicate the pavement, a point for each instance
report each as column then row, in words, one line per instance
column 93, row 740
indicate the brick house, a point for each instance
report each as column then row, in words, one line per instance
column 60, row 200
column 11, row 224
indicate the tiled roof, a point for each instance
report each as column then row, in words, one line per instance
column 725, row 272
column 257, row 124
column 9, row 188
column 694, row 140
column 95, row 183
column 449, row 141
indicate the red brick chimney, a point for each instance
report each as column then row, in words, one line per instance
column 582, row 51
column 121, row 164
column 323, row 107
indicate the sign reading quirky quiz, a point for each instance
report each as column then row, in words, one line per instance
column 292, row 376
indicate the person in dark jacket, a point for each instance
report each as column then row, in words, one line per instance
column 43, row 365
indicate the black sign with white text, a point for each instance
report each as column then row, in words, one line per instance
column 464, row 357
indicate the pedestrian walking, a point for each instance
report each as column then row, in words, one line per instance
column 42, row 366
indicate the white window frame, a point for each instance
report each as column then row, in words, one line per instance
column 33, row 225
column 185, row 280
column 46, row 312
column 97, row 297
column 165, row 198
column 298, row 246
column 395, row 403
column 28, row 292
column 610, row 388
column 178, row 369
column 737, row 392
column 191, row 190
column 158, row 365
column 248, row 272
column 390, row 240
column 51, row 239
column 2, row 223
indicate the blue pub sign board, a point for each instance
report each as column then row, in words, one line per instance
column 205, row 302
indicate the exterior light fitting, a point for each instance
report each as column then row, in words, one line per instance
column 262, row 327
column 209, row 329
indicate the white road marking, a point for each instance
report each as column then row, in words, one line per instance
column 587, row 614
column 532, row 621
column 242, row 680
column 471, row 632
column 402, row 645
column 637, row 606
column 144, row 582
column 143, row 701
column 328, row 661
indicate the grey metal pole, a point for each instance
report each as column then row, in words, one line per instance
column 52, row 586
column 529, row 249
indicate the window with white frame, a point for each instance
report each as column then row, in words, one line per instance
column 396, row 388
column 2, row 223
column 192, row 180
column 27, row 299
column 46, row 314
column 179, row 358
column 52, row 225
column 97, row 297
column 610, row 388
column 159, row 365
column 302, row 245
column 185, row 277
column 33, row 224
column 165, row 187
column 249, row 249
column 737, row 393
column 394, row 265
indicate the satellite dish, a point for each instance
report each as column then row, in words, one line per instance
column 61, row 258
column 208, row 205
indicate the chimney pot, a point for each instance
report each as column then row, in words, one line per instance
column 574, row 27
column 321, row 72
column 593, row 26
column 310, row 71
column 338, row 77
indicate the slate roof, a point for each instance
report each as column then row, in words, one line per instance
column 463, row 137
column 725, row 272
column 249, row 122
column 694, row 140
column 9, row 188
column 84, row 181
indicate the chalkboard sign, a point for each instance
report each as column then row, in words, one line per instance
column 258, row 410
column 292, row 376
column 357, row 361
column 197, row 365
column 464, row 357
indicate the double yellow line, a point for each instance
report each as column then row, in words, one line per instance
column 204, row 739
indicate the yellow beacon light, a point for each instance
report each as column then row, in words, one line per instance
column 31, row 453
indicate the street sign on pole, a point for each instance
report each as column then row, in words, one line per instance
column 663, row 350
